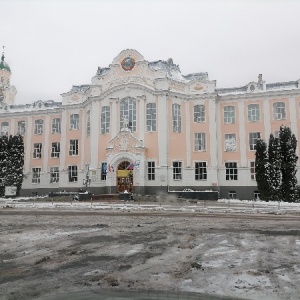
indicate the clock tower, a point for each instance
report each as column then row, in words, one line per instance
column 7, row 92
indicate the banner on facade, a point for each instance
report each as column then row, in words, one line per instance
column 123, row 173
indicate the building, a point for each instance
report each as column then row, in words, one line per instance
column 145, row 127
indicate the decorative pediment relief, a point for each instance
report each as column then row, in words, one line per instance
column 125, row 141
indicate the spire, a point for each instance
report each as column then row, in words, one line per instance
column 3, row 64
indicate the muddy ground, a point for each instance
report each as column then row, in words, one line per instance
column 47, row 253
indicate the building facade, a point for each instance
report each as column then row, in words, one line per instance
column 145, row 127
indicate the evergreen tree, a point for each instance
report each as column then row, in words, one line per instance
column 288, row 145
column 261, row 169
column 3, row 163
column 274, row 156
column 11, row 162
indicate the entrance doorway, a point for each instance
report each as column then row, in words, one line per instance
column 125, row 177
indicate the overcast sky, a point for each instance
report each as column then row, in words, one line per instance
column 51, row 45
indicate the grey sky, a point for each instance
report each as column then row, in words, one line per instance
column 52, row 45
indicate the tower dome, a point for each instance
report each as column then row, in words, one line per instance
column 3, row 64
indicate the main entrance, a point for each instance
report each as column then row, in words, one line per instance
column 125, row 177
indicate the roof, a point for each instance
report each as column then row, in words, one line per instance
column 3, row 64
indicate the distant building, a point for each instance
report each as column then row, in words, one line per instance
column 144, row 127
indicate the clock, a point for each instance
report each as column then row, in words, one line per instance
column 128, row 63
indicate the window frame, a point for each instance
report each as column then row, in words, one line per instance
column 128, row 110
column 253, row 140
column 74, row 122
column 253, row 112
column 73, row 173
column 23, row 127
column 200, row 170
column 151, row 116
column 231, row 171
column 176, row 117
column 199, row 141
column 54, row 174
column 105, row 119
column 88, row 122
column 74, row 147
column 151, row 170
column 55, row 150
column 177, row 170
column 230, row 143
column 279, row 113
column 56, row 125
column 38, row 126
column 4, row 128
column 199, row 113
column 36, row 175
column 229, row 114
column 252, row 170
column 37, row 150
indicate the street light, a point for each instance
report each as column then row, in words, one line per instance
column 87, row 180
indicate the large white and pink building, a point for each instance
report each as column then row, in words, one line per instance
column 145, row 127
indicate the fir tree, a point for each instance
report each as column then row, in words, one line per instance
column 274, row 156
column 261, row 169
column 288, row 145
column 3, row 163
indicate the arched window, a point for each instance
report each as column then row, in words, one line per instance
column 128, row 112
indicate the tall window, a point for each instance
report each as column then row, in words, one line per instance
column 73, row 174
column 54, row 174
column 73, row 150
column 128, row 112
column 176, row 117
column 74, row 121
column 232, row 194
column 177, row 170
column 200, row 170
column 199, row 141
column 253, row 113
column 151, row 116
column 230, row 142
column 21, row 128
column 56, row 125
column 199, row 113
column 229, row 115
column 36, row 175
column 38, row 126
column 4, row 128
column 151, row 170
column 103, row 171
column 37, row 150
column 231, row 171
column 252, row 170
column 88, row 122
column 253, row 137
column 55, row 150
column 279, row 111
column 105, row 119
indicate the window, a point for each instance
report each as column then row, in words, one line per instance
column 56, row 125
column 21, row 128
column 229, row 117
column 199, row 113
column 151, row 170
column 230, row 142
column 199, row 141
column 252, row 170
column 151, row 116
column 253, row 113
column 105, row 119
column 37, row 150
column 55, row 150
column 200, row 170
column 73, row 147
column 177, row 172
column 276, row 134
column 176, row 117
column 38, row 126
column 73, row 174
column 54, row 174
column 256, row 195
column 74, row 122
column 128, row 112
column 231, row 171
column 36, row 175
column 88, row 122
column 232, row 195
column 253, row 137
column 103, row 171
column 279, row 111
column 4, row 128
